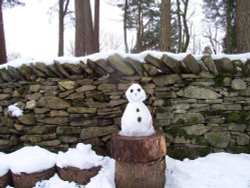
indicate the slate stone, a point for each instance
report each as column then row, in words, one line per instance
column 198, row 93
column 218, row 139
column 73, row 68
column 225, row 65
column 86, row 88
column 118, row 63
column 95, row 68
column 4, row 96
column 188, row 118
column 210, row 64
column 68, row 84
column 82, row 110
column 54, row 120
column 166, row 79
column 198, row 129
column 27, row 119
column 150, row 69
column 242, row 139
column 93, row 132
column 192, row 64
column 55, row 103
column 42, row 67
column 105, row 66
column 173, row 64
column 60, row 68
column 157, row 63
column 136, row 65
column 239, row 84
column 66, row 130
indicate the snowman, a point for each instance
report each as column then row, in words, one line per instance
column 136, row 119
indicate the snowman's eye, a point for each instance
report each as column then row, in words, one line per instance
column 139, row 90
column 131, row 91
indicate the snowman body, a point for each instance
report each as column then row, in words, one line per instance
column 136, row 119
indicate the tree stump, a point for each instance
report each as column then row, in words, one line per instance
column 25, row 180
column 5, row 180
column 140, row 161
column 80, row 176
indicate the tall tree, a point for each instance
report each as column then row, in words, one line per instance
column 63, row 8
column 243, row 25
column 3, row 55
column 125, row 16
column 165, row 35
column 80, row 49
column 87, row 33
column 10, row 4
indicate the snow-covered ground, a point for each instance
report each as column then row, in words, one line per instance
column 218, row 170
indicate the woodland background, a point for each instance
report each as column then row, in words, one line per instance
column 164, row 25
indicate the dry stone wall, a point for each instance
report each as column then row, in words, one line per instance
column 202, row 105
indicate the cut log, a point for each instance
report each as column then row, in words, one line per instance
column 133, row 149
column 80, row 176
column 140, row 161
column 25, row 180
column 5, row 180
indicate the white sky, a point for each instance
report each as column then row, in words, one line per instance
column 31, row 32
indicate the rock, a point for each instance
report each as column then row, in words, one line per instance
column 82, row 110
column 224, row 65
column 105, row 66
column 68, row 84
column 42, row 67
column 237, row 127
column 66, row 130
column 150, row 69
column 58, row 113
column 218, row 139
column 157, row 63
column 31, row 138
column 30, row 105
column 107, row 87
column 5, row 75
column 27, row 72
column 242, row 139
column 49, row 143
column 73, row 68
column 164, row 115
column 232, row 107
column 173, row 64
column 198, row 129
column 93, row 132
column 68, row 139
column 135, row 64
column 245, row 93
column 188, row 118
column 192, row 64
column 118, row 102
column 198, row 93
column 118, row 63
column 239, row 84
column 54, row 120
column 4, row 96
column 209, row 62
column 166, row 79
column 86, row 88
column 55, row 103
column 76, row 95
column 27, row 119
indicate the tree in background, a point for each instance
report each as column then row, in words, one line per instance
column 243, row 25
column 10, row 4
column 63, row 9
column 165, row 35
column 86, row 33
column 142, row 16
column 221, row 14
column 3, row 55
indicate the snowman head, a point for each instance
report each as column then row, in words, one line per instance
column 135, row 93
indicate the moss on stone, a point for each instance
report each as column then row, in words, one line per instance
column 237, row 117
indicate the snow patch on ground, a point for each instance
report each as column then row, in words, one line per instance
column 82, row 157
column 30, row 159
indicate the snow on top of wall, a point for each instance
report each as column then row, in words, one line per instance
column 104, row 55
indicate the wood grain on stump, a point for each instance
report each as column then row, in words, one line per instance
column 25, row 180
column 80, row 176
column 140, row 161
column 5, row 180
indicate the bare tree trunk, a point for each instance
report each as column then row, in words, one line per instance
column 179, row 26
column 186, row 30
column 243, row 25
column 125, row 25
column 140, row 28
column 3, row 56
column 80, row 49
column 165, row 40
column 96, row 25
column 89, row 31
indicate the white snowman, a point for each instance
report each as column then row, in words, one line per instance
column 136, row 119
